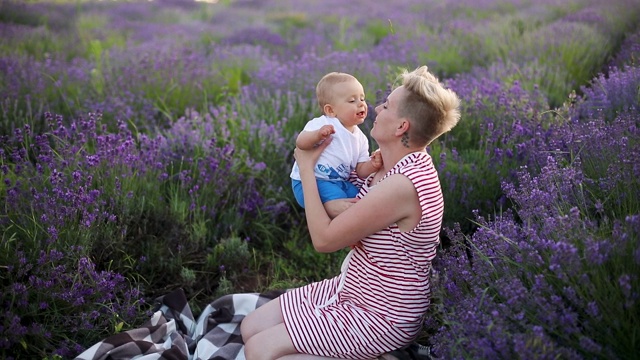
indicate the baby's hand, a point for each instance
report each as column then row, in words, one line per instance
column 325, row 131
column 376, row 159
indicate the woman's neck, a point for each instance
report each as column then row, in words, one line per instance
column 391, row 156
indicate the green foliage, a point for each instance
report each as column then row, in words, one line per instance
column 348, row 39
column 39, row 38
column 288, row 24
column 266, row 124
column 596, row 279
column 90, row 30
column 578, row 54
column 470, row 182
column 378, row 30
column 172, row 94
column 87, row 24
column 37, row 43
column 231, row 253
column 235, row 75
column 14, row 12
column 500, row 37
column 602, row 197
column 58, row 291
column 13, row 113
column 299, row 253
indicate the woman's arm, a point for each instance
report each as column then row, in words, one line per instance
column 393, row 200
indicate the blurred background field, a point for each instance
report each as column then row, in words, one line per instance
column 146, row 146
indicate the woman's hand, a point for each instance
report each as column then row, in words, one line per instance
column 309, row 158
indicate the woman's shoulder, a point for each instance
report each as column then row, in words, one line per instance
column 418, row 167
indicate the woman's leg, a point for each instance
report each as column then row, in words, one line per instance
column 307, row 357
column 260, row 319
column 272, row 343
column 264, row 333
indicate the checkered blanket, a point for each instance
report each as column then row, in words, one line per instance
column 174, row 333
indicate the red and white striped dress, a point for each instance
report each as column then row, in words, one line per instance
column 377, row 303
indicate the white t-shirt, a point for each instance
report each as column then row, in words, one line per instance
column 340, row 157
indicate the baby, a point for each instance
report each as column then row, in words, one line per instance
column 342, row 101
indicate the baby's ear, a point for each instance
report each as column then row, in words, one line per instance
column 328, row 110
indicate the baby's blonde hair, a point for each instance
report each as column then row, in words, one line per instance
column 432, row 109
column 324, row 88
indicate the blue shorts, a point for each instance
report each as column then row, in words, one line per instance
column 329, row 190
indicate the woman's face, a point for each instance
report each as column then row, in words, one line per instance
column 386, row 122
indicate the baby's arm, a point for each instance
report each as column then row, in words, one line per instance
column 309, row 139
column 366, row 168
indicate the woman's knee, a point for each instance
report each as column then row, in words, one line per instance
column 249, row 349
column 271, row 343
column 256, row 349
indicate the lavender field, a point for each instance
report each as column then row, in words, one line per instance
column 146, row 146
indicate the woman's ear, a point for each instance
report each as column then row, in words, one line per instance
column 403, row 127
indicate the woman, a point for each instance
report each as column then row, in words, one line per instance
column 378, row 302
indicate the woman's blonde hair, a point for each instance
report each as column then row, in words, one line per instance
column 324, row 88
column 432, row 109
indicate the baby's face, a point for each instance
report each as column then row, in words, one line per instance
column 348, row 103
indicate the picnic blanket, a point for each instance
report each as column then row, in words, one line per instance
column 174, row 333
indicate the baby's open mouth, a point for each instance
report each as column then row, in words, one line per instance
column 361, row 113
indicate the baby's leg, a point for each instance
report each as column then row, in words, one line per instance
column 336, row 207
column 335, row 196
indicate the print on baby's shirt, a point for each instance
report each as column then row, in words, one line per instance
column 333, row 173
